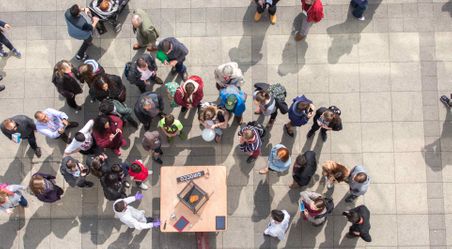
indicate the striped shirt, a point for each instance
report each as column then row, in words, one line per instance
column 251, row 147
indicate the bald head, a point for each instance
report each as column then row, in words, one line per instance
column 136, row 21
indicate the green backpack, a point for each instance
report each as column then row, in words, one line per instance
column 278, row 92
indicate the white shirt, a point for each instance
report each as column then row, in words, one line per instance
column 132, row 217
column 86, row 145
column 278, row 230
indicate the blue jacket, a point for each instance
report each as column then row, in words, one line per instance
column 241, row 97
column 298, row 118
column 275, row 163
column 79, row 27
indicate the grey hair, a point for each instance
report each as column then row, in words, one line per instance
column 137, row 18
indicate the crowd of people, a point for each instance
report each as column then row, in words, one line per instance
column 106, row 130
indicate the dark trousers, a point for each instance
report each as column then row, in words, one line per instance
column 274, row 114
column 142, row 86
column 256, row 153
column 358, row 9
column 5, row 41
column 315, row 127
column 23, row 202
column 32, row 141
column 71, row 102
column 271, row 8
column 84, row 47
column 180, row 67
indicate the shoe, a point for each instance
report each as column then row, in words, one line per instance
column 238, row 120
column 273, row 19
column 3, row 53
column 78, row 57
column 257, row 17
column 136, row 46
column 310, row 133
column 118, row 28
column 350, row 198
column 2, row 87
column 143, row 186
column 362, row 18
column 173, row 70
column 158, row 160
column 72, row 124
column 133, row 123
column 126, row 184
column 16, row 53
column 78, row 108
column 1, row 78
column 150, row 172
column 299, row 37
column 89, row 184
column 184, row 76
column 117, row 152
column 445, row 100
column 250, row 159
column 158, row 81
column 324, row 136
column 263, row 171
column 183, row 109
column 289, row 133
column 151, row 49
column 38, row 152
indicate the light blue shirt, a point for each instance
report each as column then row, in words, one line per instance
column 50, row 129
column 275, row 163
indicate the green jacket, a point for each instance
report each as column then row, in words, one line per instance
column 146, row 32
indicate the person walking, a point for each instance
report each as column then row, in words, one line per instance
column 175, row 52
column 278, row 160
column 304, row 168
column 300, row 112
column 312, row 12
column 80, row 26
column 5, row 27
column 65, row 80
column 360, row 219
column 190, row 93
column 44, row 187
column 131, row 216
column 261, row 5
column 148, row 106
column 228, row 74
column 326, row 119
column 11, row 196
column 107, row 132
column 21, row 127
column 250, row 142
column 152, row 142
column 278, row 225
column 358, row 8
column 233, row 99
column 53, row 124
column 143, row 71
column 270, row 99
column 145, row 31
column 83, row 141
column 75, row 173
column 334, row 172
column 359, row 182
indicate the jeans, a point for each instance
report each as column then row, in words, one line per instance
column 358, row 10
column 84, row 47
column 32, row 141
column 5, row 41
column 180, row 67
column 23, row 202
column 271, row 8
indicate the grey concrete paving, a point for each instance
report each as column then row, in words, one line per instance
column 385, row 73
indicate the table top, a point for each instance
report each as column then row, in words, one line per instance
column 205, row 219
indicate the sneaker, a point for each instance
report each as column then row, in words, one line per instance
column 3, row 53
column 158, row 81
column 183, row 109
column 78, row 57
column 78, row 108
column 1, row 78
column 362, row 18
column 2, row 87
column 288, row 131
column 310, row 133
column 16, row 53
column 118, row 28
column 324, row 136
column 350, row 198
column 158, row 160
column 143, row 186
column 257, row 17
column 127, row 184
column 250, row 159
column 89, row 184
column 445, row 100
column 184, row 76
column 150, row 172
column 299, row 37
column 273, row 19
column 38, row 152
column 173, row 70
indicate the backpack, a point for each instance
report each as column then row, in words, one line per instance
column 329, row 206
column 127, row 69
column 278, row 92
column 259, row 128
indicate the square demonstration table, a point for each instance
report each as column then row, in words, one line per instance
column 172, row 208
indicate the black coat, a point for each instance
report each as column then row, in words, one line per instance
column 112, row 190
column 134, row 75
column 67, row 85
column 336, row 124
column 116, row 89
column 302, row 174
column 49, row 195
column 25, row 126
column 70, row 179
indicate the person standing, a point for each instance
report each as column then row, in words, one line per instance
column 131, row 216
column 215, row 118
column 152, row 142
column 143, row 71
column 359, row 6
column 83, row 141
column 98, row 164
column 326, row 119
column 233, row 99
column 261, row 5
column 109, row 86
column 148, row 106
column 112, row 186
column 145, row 31
column 11, row 196
column 107, row 132
column 115, row 107
column 21, row 127
column 228, row 74
column 334, row 172
column 4, row 27
column 250, row 142
column 44, row 187
column 175, row 52
column 65, row 80
column 313, row 207
column 190, row 93
column 312, row 12
column 278, row 160
column 300, row 112
column 53, row 124
column 75, row 173
column 80, row 26
column 139, row 173
column 304, row 168
column 171, row 127
column 360, row 219
column 278, row 225
column 270, row 99
column 359, row 182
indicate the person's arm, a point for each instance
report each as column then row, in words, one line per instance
column 47, row 132
column 57, row 113
column 88, row 127
column 72, row 148
column 2, row 24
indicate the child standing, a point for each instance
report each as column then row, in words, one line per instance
column 171, row 127
column 151, row 142
column 278, row 225
column 139, row 173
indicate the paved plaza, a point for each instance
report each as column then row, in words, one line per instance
column 385, row 73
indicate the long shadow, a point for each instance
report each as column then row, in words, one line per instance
column 347, row 34
column 292, row 62
column 128, row 240
column 238, row 169
column 255, row 32
column 447, row 7
column 432, row 152
column 262, row 206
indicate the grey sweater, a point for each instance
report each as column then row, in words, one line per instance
column 357, row 188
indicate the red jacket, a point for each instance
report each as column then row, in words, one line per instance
column 103, row 140
column 141, row 176
column 315, row 11
column 182, row 99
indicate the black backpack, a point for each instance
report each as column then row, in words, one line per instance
column 329, row 206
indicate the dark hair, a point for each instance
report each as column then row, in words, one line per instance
column 262, row 96
column 106, row 106
column 189, row 88
column 301, row 160
column 169, row 120
column 80, row 137
column 360, row 177
column 141, row 63
column 277, row 215
column 70, row 164
column 319, row 202
column 116, row 168
column 99, row 123
column 135, row 168
column 74, row 10
column 302, row 105
column 352, row 216
column 120, row 206
column 166, row 46
column 101, row 81
column 111, row 178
